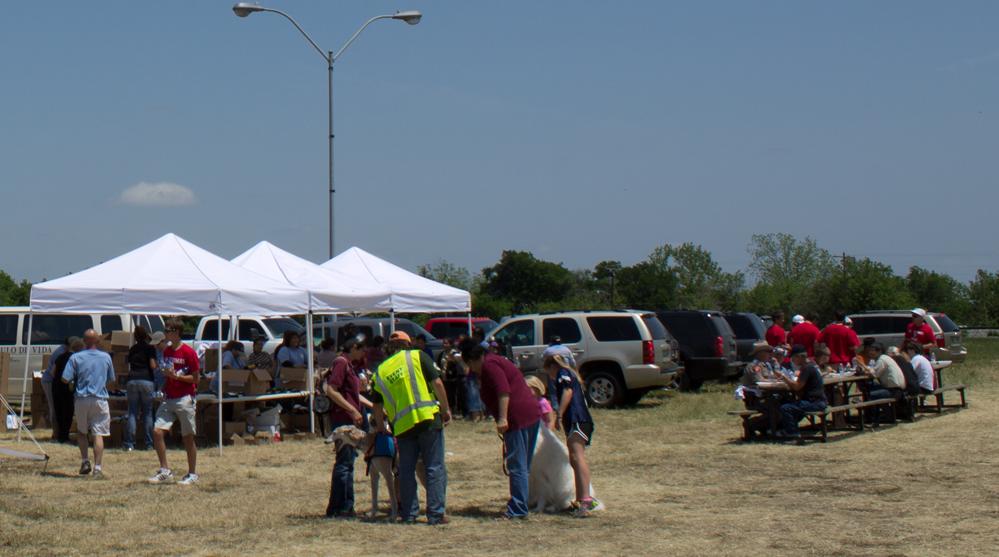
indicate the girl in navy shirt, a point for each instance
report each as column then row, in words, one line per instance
column 573, row 418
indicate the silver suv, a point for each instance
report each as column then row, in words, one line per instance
column 888, row 327
column 621, row 354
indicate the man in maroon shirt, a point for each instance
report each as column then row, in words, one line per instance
column 920, row 332
column 343, row 388
column 776, row 335
column 182, row 370
column 805, row 334
column 841, row 341
column 506, row 395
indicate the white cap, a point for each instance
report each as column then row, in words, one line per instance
column 847, row 321
column 920, row 312
column 798, row 319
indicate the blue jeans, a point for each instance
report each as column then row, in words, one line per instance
column 428, row 446
column 342, row 483
column 792, row 412
column 140, row 398
column 519, row 453
column 473, row 400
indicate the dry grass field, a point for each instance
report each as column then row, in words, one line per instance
column 672, row 473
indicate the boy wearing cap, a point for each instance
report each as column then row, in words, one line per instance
column 805, row 333
column 919, row 331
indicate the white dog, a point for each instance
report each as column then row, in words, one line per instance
column 551, row 484
column 380, row 464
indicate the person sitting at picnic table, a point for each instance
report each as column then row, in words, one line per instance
column 920, row 332
column 232, row 355
column 887, row 373
column 809, row 388
column 259, row 359
column 822, row 357
column 912, row 352
column 841, row 340
column 764, row 367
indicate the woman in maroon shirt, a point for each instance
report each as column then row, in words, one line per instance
column 507, row 397
column 344, row 391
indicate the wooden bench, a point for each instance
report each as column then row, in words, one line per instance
column 938, row 394
column 823, row 415
column 746, row 415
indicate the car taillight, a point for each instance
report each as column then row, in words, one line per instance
column 648, row 352
column 941, row 341
column 719, row 347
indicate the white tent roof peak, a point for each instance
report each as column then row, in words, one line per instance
column 329, row 290
column 168, row 276
column 410, row 291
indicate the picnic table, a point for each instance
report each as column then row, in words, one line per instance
column 838, row 389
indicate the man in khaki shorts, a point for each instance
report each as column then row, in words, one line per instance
column 91, row 371
column 182, row 370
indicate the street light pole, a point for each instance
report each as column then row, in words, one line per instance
column 243, row 9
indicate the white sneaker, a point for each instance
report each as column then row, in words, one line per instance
column 163, row 476
column 188, row 479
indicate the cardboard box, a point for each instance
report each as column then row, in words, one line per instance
column 120, row 362
column 121, row 341
column 246, row 381
column 105, row 344
column 211, row 362
column 46, row 360
column 229, row 430
column 295, row 422
column 39, row 406
column 4, row 384
column 295, row 378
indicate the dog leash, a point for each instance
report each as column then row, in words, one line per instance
column 506, row 471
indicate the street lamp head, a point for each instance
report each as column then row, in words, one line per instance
column 411, row 17
column 243, row 9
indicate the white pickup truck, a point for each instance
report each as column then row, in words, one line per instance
column 245, row 328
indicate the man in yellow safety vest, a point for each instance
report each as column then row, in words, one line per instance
column 408, row 390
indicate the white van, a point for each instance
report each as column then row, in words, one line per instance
column 49, row 330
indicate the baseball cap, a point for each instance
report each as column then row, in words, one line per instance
column 400, row 335
column 798, row 319
column 919, row 311
column 797, row 349
column 157, row 338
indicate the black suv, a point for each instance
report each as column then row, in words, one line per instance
column 706, row 344
column 749, row 329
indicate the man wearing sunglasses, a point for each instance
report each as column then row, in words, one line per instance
column 182, row 371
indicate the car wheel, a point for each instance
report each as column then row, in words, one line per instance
column 604, row 389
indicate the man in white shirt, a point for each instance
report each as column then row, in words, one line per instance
column 922, row 366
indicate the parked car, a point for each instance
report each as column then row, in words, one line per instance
column 888, row 327
column 247, row 328
column 621, row 355
column 453, row 327
column 706, row 343
column 48, row 332
column 371, row 327
column 749, row 329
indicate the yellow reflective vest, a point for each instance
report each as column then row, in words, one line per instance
column 405, row 393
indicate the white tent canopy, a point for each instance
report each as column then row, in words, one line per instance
column 329, row 290
column 410, row 293
column 168, row 276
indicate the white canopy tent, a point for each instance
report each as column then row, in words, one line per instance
column 167, row 276
column 410, row 293
column 330, row 291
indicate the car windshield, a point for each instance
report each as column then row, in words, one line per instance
column 279, row 325
column 946, row 323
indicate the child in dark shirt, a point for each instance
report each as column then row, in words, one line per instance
column 573, row 418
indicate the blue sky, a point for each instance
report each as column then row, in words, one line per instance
column 581, row 131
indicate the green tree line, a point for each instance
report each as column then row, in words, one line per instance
column 784, row 273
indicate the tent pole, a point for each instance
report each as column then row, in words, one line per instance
column 312, row 388
column 219, row 394
column 24, row 384
column 391, row 321
column 469, row 324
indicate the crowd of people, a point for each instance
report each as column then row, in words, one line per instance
column 394, row 389
column 801, row 357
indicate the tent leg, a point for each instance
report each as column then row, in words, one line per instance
column 25, row 383
column 469, row 324
column 391, row 321
column 219, row 394
column 312, row 389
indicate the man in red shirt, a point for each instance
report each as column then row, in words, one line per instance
column 507, row 397
column 776, row 335
column 920, row 332
column 841, row 341
column 182, row 370
column 806, row 334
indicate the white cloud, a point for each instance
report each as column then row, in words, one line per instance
column 157, row 194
